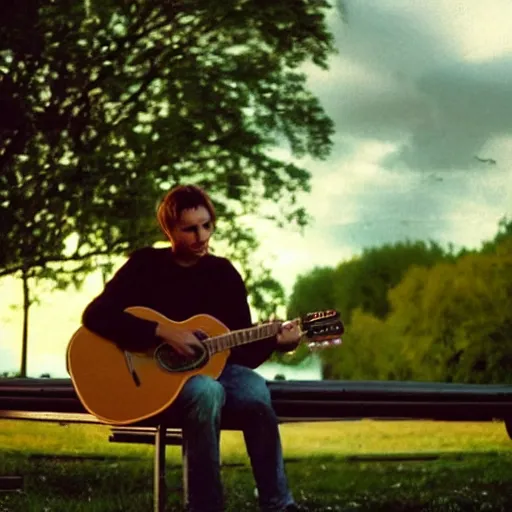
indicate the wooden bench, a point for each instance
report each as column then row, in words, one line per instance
column 55, row 400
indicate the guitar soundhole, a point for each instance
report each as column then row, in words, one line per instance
column 171, row 361
column 200, row 335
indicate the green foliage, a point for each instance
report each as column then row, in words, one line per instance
column 364, row 465
column 361, row 284
column 312, row 292
column 364, row 353
column 113, row 104
column 417, row 313
column 266, row 294
column 365, row 281
column 503, row 239
column 457, row 319
column 451, row 322
column 106, row 105
column 6, row 375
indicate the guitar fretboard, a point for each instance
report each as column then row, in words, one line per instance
column 241, row 337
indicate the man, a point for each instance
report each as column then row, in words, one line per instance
column 179, row 283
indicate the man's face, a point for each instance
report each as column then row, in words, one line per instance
column 191, row 234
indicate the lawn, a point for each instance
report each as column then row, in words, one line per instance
column 352, row 465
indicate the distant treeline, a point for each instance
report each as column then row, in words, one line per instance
column 414, row 311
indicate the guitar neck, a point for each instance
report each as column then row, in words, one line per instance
column 242, row 337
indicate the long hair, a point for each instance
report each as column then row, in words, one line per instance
column 179, row 198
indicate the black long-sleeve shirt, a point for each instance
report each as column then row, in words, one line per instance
column 152, row 278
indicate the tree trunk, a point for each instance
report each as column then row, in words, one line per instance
column 26, row 306
column 104, row 275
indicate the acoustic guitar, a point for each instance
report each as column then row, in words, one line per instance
column 121, row 387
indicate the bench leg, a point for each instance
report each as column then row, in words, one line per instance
column 159, row 496
column 184, row 460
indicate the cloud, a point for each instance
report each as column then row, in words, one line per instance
column 406, row 73
column 469, row 106
column 356, row 203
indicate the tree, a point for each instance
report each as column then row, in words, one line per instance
column 503, row 239
column 483, row 338
column 107, row 107
column 455, row 319
column 360, row 283
column 312, row 291
column 448, row 316
column 364, row 281
column 364, row 356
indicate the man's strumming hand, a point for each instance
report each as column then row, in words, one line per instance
column 180, row 340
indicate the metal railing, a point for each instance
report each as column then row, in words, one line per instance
column 308, row 400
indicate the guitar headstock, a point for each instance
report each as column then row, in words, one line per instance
column 323, row 328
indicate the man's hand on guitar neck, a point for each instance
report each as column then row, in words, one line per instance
column 290, row 332
column 180, row 340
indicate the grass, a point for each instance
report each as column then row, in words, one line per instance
column 354, row 465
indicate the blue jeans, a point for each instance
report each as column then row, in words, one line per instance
column 238, row 393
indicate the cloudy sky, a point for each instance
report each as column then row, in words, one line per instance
column 420, row 94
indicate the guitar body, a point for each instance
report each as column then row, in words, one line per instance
column 102, row 377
